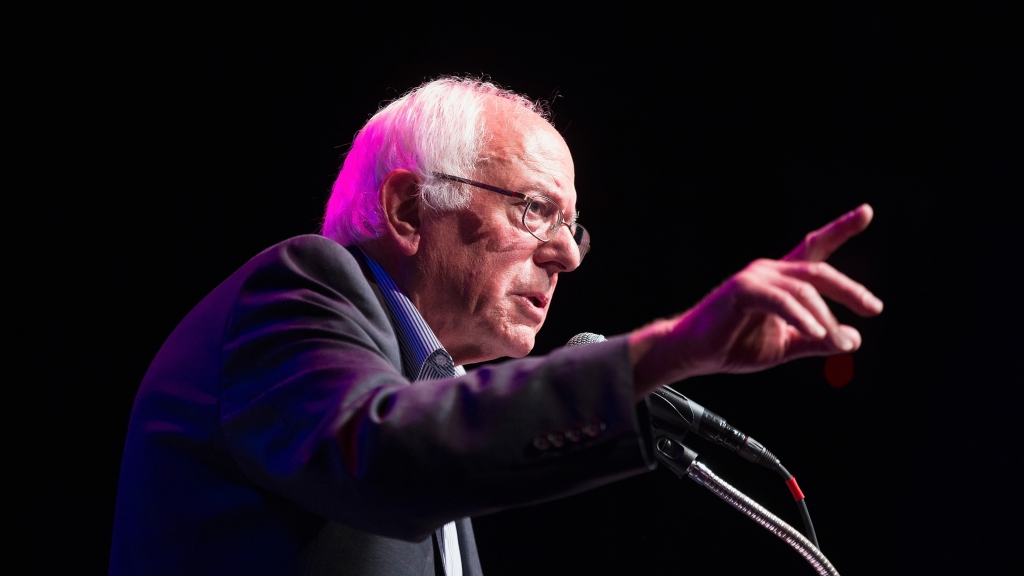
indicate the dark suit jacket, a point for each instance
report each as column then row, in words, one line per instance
column 275, row 433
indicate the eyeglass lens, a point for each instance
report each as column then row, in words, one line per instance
column 542, row 218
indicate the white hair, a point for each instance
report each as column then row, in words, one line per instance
column 437, row 127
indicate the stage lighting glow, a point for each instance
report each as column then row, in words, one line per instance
column 839, row 370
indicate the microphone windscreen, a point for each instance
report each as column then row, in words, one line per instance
column 584, row 338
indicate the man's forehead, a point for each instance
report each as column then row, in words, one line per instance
column 524, row 147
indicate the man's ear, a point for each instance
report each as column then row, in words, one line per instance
column 400, row 199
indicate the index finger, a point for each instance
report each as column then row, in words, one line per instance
column 821, row 243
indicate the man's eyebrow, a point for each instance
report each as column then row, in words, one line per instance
column 537, row 185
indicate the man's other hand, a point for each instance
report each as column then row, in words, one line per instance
column 770, row 312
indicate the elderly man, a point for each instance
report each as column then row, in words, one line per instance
column 311, row 414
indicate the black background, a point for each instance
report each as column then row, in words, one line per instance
column 158, row 150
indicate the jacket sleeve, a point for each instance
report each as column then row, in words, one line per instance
column 312, row 408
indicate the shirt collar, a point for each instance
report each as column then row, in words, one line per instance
column 423, row 357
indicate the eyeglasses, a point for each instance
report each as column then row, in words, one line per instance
column 541, row 216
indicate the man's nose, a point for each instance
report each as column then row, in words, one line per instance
column 561, row 250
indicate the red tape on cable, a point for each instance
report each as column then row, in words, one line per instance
column 794, row 488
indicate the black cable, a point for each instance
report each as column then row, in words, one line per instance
column 808, row 525
column 801, row 503
column 675, row 415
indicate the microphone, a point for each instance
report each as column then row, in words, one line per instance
column 584, row 338
column 676, row 415
column 673, row 416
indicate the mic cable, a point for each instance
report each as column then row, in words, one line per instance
column 675, row 415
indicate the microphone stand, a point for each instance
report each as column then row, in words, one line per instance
column 683, row 462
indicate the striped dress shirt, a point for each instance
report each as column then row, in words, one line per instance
column 423, row 355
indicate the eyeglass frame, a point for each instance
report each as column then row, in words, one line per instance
column 561, row 214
